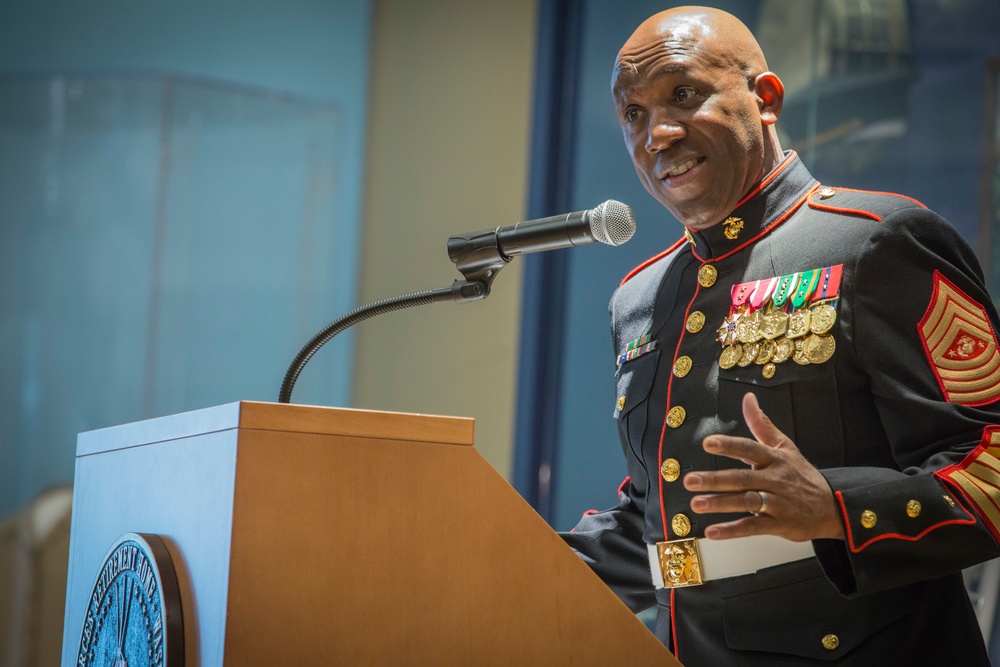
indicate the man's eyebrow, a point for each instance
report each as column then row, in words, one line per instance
column 626, row 74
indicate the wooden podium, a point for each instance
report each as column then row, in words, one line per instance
column 322, row 536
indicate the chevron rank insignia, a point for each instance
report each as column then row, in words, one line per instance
column 960, row 345
column 978, row 478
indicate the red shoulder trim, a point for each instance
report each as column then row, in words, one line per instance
column 622, row 485
column 857, row 211
column 887, row 194
column 652, row 260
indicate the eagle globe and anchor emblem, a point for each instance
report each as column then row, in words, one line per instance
column 133, row 614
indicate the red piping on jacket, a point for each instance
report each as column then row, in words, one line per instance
column 909, row 538
column 857, row 211
column 767, row 179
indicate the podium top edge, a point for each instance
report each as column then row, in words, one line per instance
column 280, row 417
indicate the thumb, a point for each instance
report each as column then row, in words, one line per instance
column 761, row 426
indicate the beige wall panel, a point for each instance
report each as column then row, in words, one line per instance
column 448, row 153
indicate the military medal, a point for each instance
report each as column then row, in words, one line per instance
column 766, row 353
column 822, row 318
column 748, row 330
column 774, row 324
column 807, row 283
column 762, row 292
column 784, row 349
column 818, row 348
column 750, row 353
column 798, row 324
column 730, row 355
column 799, row 356
column 727, row 332
column 786, row 285
column 776, row 319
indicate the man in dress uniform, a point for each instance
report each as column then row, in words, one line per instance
column 807, row 388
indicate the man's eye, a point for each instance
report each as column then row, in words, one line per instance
column 684, row 94
column 631, row 115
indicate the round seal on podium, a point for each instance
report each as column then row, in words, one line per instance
column 134, row 613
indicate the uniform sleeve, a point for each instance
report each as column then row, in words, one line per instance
column 611, row 543
column 923, row 329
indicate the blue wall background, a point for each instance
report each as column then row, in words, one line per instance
column 179, row 210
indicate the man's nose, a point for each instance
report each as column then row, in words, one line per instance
column 663, row 132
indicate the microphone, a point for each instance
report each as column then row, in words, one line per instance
column 612, row 223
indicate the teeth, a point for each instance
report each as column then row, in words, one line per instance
column 677, row 171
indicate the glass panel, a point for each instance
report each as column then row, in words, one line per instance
column 166, row 244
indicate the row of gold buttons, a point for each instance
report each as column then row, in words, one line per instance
column 670, row 469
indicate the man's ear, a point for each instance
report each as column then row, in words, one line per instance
column 770, row 95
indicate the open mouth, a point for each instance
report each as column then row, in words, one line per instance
column 684, row 168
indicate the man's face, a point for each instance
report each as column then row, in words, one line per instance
column 692, row 124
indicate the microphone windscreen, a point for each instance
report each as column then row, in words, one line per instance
column 612, row 222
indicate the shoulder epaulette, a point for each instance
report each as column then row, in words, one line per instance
column 865, row 203
column 652, row 260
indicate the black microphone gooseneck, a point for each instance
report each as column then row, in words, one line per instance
column 479, row 256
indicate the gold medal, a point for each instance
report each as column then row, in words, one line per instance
column 784, row 349
column 731, row 355
column 750, row 353
column 818, row 348
column 774, row 324
column 766, row 354
column 798, row 324
column 748, row 329
column 799, row 355
column 707, row 275
column 822, row 318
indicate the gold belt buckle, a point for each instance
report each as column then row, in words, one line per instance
column 680, row 563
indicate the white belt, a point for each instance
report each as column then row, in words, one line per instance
column 694, row 561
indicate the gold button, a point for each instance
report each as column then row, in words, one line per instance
column 670, row 469
column 707, row 275
column 830, row 642
column 621, row 403
column 676, row 416
column 947, row 499
column 682, row 366
column 826, row 193
column 868, row 519
column 913, row 509
column 681, row 525
column 768, row 371
column 695, row 321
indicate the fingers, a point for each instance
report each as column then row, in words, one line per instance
column 727, row 503
column 759, row 524
column 746, row 450
column 760, row 425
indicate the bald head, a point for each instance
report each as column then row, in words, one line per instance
column 719, row 38
column 697, row 109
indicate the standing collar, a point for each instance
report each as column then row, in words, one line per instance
column 763, row 208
